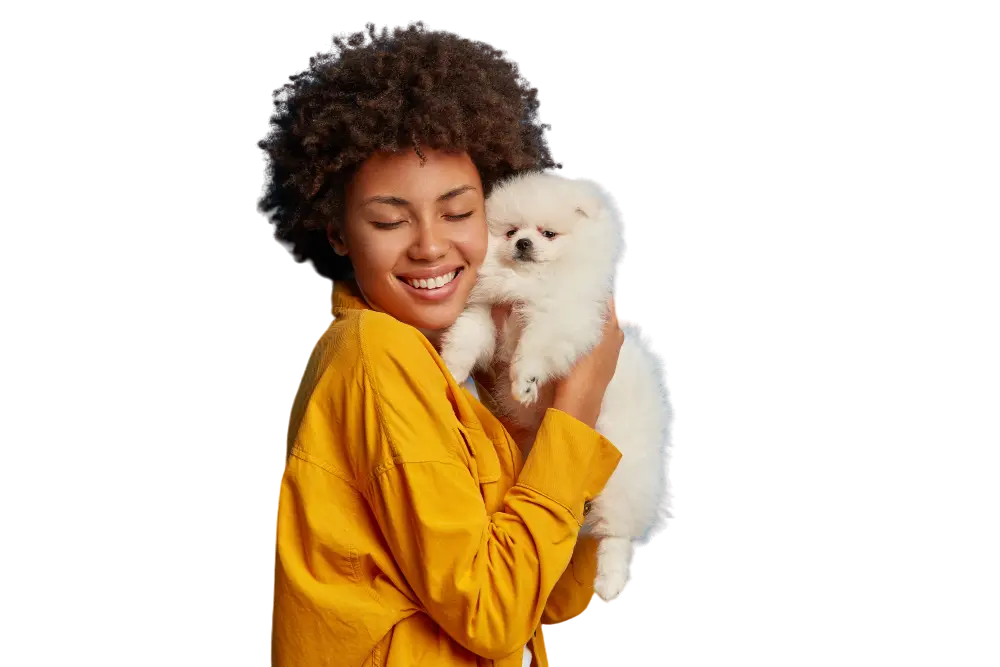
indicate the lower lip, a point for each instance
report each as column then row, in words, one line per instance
column 436, row 294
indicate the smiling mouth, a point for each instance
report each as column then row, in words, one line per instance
column 431, row 283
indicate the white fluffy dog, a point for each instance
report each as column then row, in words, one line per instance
column 554, row 244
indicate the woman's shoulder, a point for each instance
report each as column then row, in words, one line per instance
column 398, row 356
column 407, row 384
column 370, row 374
column 377, row 345
column 378, row 330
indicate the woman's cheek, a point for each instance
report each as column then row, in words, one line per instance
column 474, row 243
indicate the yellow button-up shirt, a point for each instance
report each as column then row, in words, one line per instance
column 410, row 532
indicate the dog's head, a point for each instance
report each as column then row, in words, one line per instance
column 539, row 218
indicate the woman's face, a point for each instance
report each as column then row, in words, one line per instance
column 416, row 235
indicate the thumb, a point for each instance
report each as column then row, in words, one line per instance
column 611, row 309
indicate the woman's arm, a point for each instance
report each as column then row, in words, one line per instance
column 574, row 590
column 484, row 578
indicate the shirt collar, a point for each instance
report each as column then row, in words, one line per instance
column 347, row 296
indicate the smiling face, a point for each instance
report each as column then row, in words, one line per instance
column 415, row 234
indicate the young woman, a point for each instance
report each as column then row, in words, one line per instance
column 410, row 531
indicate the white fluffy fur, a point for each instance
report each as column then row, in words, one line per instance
column 559, row 291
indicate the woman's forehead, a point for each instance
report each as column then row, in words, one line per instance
column 406, row 178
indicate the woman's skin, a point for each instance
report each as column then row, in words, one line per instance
column 407, row 221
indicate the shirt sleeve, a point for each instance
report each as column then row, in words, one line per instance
column 575, row 589
column 484, row 578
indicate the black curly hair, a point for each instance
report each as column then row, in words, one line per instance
column 389, row 92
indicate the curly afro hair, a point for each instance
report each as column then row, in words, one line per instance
column 390, row 92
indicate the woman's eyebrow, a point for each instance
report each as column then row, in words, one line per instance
column 454, row 193
column 399, row 201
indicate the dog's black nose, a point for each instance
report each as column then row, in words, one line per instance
column 523, row 245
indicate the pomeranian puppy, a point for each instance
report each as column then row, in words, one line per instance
column 553, row 247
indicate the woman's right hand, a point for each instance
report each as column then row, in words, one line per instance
column 581, row 393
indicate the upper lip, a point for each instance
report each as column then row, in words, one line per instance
column 424, row 274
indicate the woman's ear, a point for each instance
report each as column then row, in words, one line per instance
column 336, row 239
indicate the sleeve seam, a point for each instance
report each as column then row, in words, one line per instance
column 369, row 378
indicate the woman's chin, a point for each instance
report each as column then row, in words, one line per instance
column 434, row 317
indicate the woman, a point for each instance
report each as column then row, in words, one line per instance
column 410, row 531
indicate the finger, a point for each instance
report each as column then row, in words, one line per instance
column 499, row 314
column 612, row 314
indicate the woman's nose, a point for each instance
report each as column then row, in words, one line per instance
column 430, row 243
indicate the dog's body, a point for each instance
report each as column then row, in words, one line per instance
column 554, row 245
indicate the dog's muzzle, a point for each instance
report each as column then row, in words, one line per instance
column 524, row 250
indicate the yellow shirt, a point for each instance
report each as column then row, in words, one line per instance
column 409, row 530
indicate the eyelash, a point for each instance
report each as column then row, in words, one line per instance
column 393, row 225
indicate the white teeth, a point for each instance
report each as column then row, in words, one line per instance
column 433, row 283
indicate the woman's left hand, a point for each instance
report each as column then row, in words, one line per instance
column 487, row 378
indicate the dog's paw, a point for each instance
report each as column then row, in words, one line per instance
column 524, row 383
column 611, row 579
column 459, row 359
column 614, row 556
column 525, row 391
column 459, row 371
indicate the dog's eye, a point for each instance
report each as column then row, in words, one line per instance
column 549, row 235
column 511, row 232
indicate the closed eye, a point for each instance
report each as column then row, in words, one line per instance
column 387, row 225
column 460, row 216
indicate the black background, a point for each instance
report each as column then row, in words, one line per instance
column 774, row 140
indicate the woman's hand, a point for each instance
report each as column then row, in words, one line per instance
column 581, row 393
column 487, row 377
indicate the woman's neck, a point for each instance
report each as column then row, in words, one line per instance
column 434, row 336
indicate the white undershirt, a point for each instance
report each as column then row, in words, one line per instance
column 470, row 384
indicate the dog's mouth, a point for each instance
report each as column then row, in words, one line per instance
column 526, row 256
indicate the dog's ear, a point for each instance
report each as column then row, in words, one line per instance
column 582, row 193
column 588, row 207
